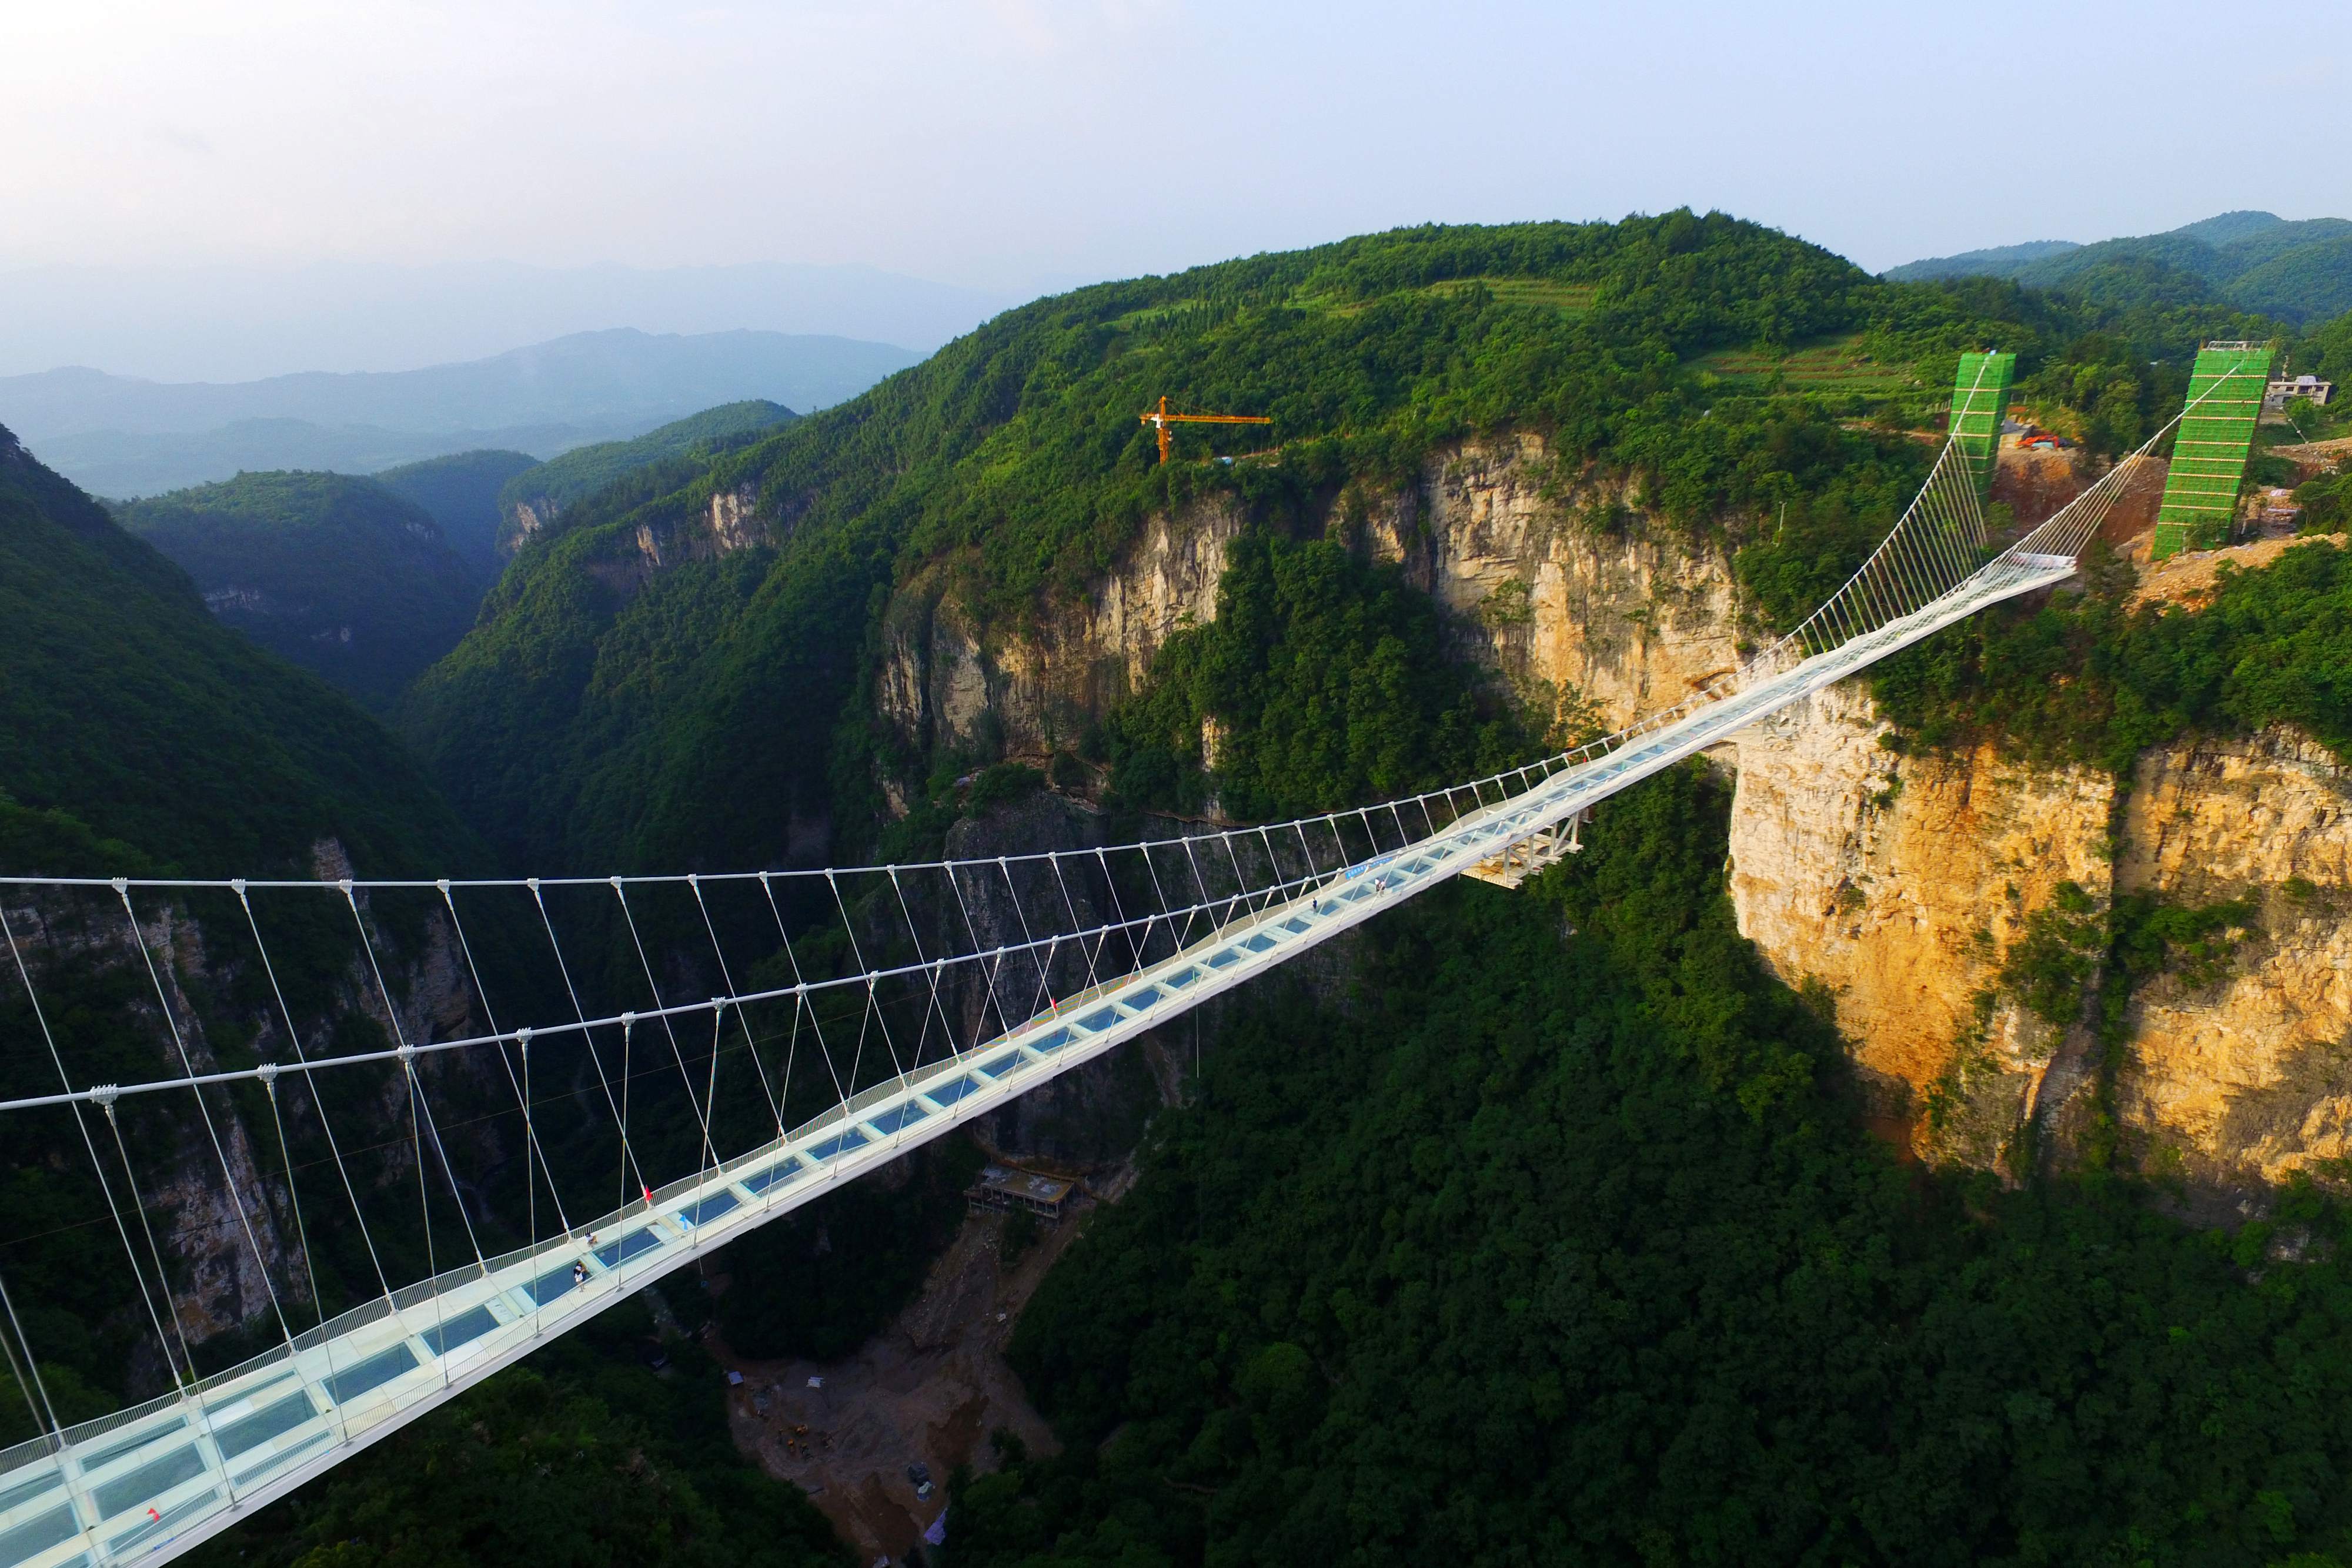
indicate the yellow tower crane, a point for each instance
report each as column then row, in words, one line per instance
column 1163, row 419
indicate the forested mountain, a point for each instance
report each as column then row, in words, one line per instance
column 139, row 737
column 136, row 730
column 1559, row 1243
column 461, row 493
column 641, row 691
column 1542, row 1227
column 335, row 573
column 529, row 500
column 2299, row 271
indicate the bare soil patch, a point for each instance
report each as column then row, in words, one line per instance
column 929, row 1390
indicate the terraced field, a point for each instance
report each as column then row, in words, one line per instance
column 1825, row 365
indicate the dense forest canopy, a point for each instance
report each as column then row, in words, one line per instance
column 135, row 731
column 331, row 571
column 547, row 488
column 603, row 717
column 461, row 493
column 1558, row 1241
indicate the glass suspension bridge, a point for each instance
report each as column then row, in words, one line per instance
column 894, row 1003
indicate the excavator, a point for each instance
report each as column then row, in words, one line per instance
column 1163, row 419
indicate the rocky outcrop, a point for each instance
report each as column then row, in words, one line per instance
column 1896, row 884
column 216, row 1180
column 2249, row 1080
column 1590, row 608
column 947, row 683
column 1900, row 886
column 524, row 521
column 730, row 522
column 1589, row 605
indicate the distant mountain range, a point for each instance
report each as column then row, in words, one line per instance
column 2301, row 271
column 116, row 436
column 238, row 321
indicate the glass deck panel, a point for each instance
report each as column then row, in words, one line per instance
column 383, row 1366
column 1224, row 960
column 998, row 1067
column 708, row 1210
column 462, row 1330
column 163, row 1523
column 1145, row 997
column 895, row 1117
column 1042, row 1045
column 1097, row 1022
column 1259, row 943
column 263, row 1425
column 36, row 1535
column 113, row 1451
column 782, row 1171
column 852, row 1139
column 613, row 1254
column 953, row 1090
column 283, row 1456
column 150, row 1480
column 25, row 1491
column 1181, row 978
column 549, row 1285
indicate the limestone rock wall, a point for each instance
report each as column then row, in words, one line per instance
column 2251, row 1079
column 944, row 684
column 1896, row 885
column 1601, row 621
column 1572, row 592
column 1899, row 884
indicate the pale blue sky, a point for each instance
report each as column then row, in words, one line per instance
column 1015, row 145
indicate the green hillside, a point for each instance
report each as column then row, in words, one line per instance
column 2299, row 271
column 129, row 714
column 598, row 718
column 461, row 494
column 561, row 482
column 1559, row 1242
column 333, row 572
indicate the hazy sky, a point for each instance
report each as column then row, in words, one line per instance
column 1013, row 145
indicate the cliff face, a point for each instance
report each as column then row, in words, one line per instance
column 1902, row 885
column 1596, row 620
column 1581, row 601
column 2251, row 1078
column 944, row 684
column 1898, row 888
column 1897, row 884
column 223, row 1215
